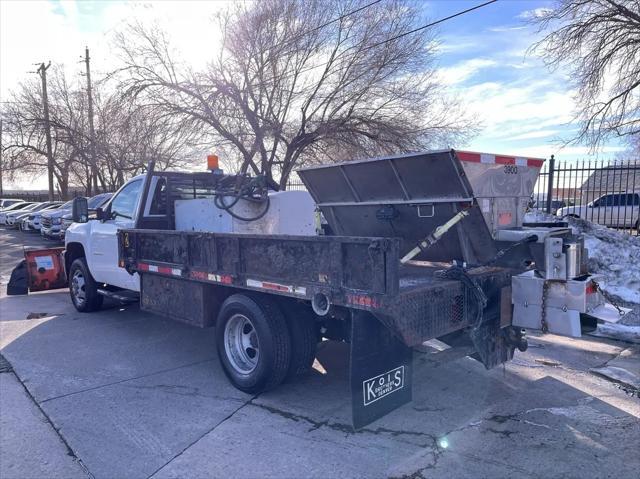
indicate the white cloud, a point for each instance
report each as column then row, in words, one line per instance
column 535, row 134
column 535, row 13
column 60, row 31
column 507, row 28
column 463, row 71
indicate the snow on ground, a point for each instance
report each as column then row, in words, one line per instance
column 613, row 254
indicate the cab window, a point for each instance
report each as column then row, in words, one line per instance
column 159, row 200
column 606, row 200
column 124, row 203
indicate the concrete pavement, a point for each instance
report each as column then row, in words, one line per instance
column 29, row 446
column 134, row 395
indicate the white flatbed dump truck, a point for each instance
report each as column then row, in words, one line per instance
column 420, row 246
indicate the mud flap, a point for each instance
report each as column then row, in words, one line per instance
column 380, row 370
column 18, row 282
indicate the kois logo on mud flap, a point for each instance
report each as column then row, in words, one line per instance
column 383, row 385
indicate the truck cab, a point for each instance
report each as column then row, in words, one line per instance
column 95, row 242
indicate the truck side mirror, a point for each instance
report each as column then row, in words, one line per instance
column 100, row 214
column 80, row 210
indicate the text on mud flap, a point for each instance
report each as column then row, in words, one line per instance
column 383, row 385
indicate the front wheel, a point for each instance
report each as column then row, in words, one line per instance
column 253, row 342
column 83, row 288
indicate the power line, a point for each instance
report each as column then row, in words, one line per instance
column 434, row 23
column 423, row 27
column 319, row 27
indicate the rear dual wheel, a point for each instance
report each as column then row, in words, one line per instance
column 259, row 346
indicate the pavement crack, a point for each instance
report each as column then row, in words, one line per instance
column 218, row 424
column 348, row 429
column 124, row 380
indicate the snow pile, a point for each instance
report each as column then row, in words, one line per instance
column 613, row 254
column 539, row 216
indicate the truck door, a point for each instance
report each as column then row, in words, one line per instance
column 103, row 261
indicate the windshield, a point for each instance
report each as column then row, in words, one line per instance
column 98, row 200
column 38, row 207
column 16, row 206
column 31, row 207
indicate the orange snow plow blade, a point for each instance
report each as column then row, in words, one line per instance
column 42, row 269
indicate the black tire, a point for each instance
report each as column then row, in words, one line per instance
column 271, row 340
column 84, row 296
column 304, row 338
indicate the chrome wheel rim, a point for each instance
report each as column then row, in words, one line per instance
column 78, row 287
column 241, row 344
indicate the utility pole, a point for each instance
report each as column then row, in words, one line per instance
column 42, row 71
column 92, row 133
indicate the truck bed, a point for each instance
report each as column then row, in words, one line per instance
column 355, row 272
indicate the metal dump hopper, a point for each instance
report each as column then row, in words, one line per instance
column 408, row 196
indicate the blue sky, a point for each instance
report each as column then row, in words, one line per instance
column 524, row 108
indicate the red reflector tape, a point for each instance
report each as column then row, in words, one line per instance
column 488, row 158
column 284, row 288
column 159, row 269
column 362, row 300
column 216, row 278
column 466, row 156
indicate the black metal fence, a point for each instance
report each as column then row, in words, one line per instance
column 40, row 195
column 296, row 184
column 605, row 192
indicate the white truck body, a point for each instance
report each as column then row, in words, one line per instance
column 291, row 212
column 99, row 241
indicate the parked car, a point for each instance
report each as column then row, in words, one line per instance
column 620, row 210
column 11, row 208
column 50, row 221
column 5, row 202
column 14, row 219
column 51, row 226
column 31, row 221
column 95, row 202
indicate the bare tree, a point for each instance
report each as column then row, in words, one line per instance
column 24, row 144
column 290, row 85
column 599, row 41
column 128, row 135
